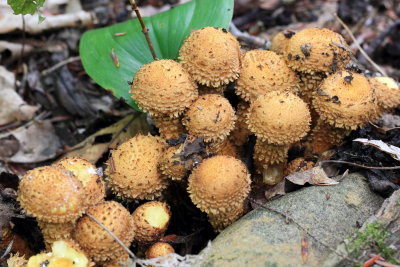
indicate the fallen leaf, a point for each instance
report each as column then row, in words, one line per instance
column 13, row 107
column 277, row 190
column 37, row 142
column 7, row 78
column 393, row 151
column 120, row 131
column 314, row 176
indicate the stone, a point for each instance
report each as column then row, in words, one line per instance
column 267, row 238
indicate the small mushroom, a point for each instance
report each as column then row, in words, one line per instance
column 132, row 171
column 263, row 72
column 212, row 117
column 98, row 243
column 298, row 165
column 219, row 186
column 278, row 119
column 280, row 41
column 64, row 253
column 151, row 221
column 159, row 249
column 241, row 132
column 164, row 89
column 387, row 93
column 211, row 56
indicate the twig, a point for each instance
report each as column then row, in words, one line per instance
column 359, row 47
column 145, row 30
column 288, row 218
column 60, row 64
column 253, row 40
column 359, row 165
column 113, row 236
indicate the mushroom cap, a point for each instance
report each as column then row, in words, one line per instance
column 163, row 87
column 132, row 168
column 98, row 243
column 263, row 72
column 171, row 165
column 280, row 41
column 169, row 128
column 86, row 173
column 211, row 56
column 52, row 194
column 387, row 92
column 55, row 231
column 345, row 100
column 151, row 221
column 241, row 132
column 219, row 184
column 317, row 50
column 159, row 249
column 64, row 253
column 210, row 116
column 279, row 118
column 298, row 165
column 266, row 154
column 224, row 148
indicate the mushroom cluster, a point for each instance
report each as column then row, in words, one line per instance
column 300, row 93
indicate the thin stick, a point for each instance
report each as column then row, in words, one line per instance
column 359, row 47
column 359, row 165
column 113, row 236
column 60, row 64
column 145, row 30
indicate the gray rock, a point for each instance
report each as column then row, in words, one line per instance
column 266, row 238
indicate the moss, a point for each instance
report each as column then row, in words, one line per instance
column 371, row 240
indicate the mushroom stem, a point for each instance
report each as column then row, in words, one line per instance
column 170, row 128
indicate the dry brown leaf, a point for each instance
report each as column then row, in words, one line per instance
column 37, row 142
column 314, row 176
column 120, row 131
column 13, row 107
column 393, row 151
column 277, row 190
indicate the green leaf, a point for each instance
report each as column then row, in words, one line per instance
column 167, row 31
column 25, row 6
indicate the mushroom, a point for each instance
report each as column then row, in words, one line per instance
column 387, row 93
column 298, row 165
column 219, row 186
column 212, row 117
column 159, row 249
column 280, row 41
column 132, row 171
column 64, row 253
column 211, row 56
column 15, row 260
column 171, row 164
column 263, row 72
column 96, row 241
column 86, row 172
column 345, row 100
column 206, row 90
column 241, row 132
column 315, row 53
column 164, row 89
column 278, row 119
column 151, row 221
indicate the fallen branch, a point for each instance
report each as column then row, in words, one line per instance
column 60, row 64
column 359, row 165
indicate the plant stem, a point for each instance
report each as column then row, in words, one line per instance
column 145, row 30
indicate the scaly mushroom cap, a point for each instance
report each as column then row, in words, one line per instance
column 210, row 116
column 163, row 87
column 219, row 185
column 317, row 50
column 267, row 154
column 169, row 128
column 387, row 92
column 263, row 72
column 345, row 100
column 55, row 231
column 225, row 148
column 98, row 243
column 64, row 253
column 280, row 41
column 159, row 249
column 241, row 132
column 211, row 56
column 132, row 168
column 279, row 118
column 298, row 165
column 15, row 260
column 86, row 173
column 151, row 221
column 52, row 194
column 171, row 165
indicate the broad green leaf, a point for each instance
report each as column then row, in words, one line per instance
column 25, row 6
column 167, row 31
